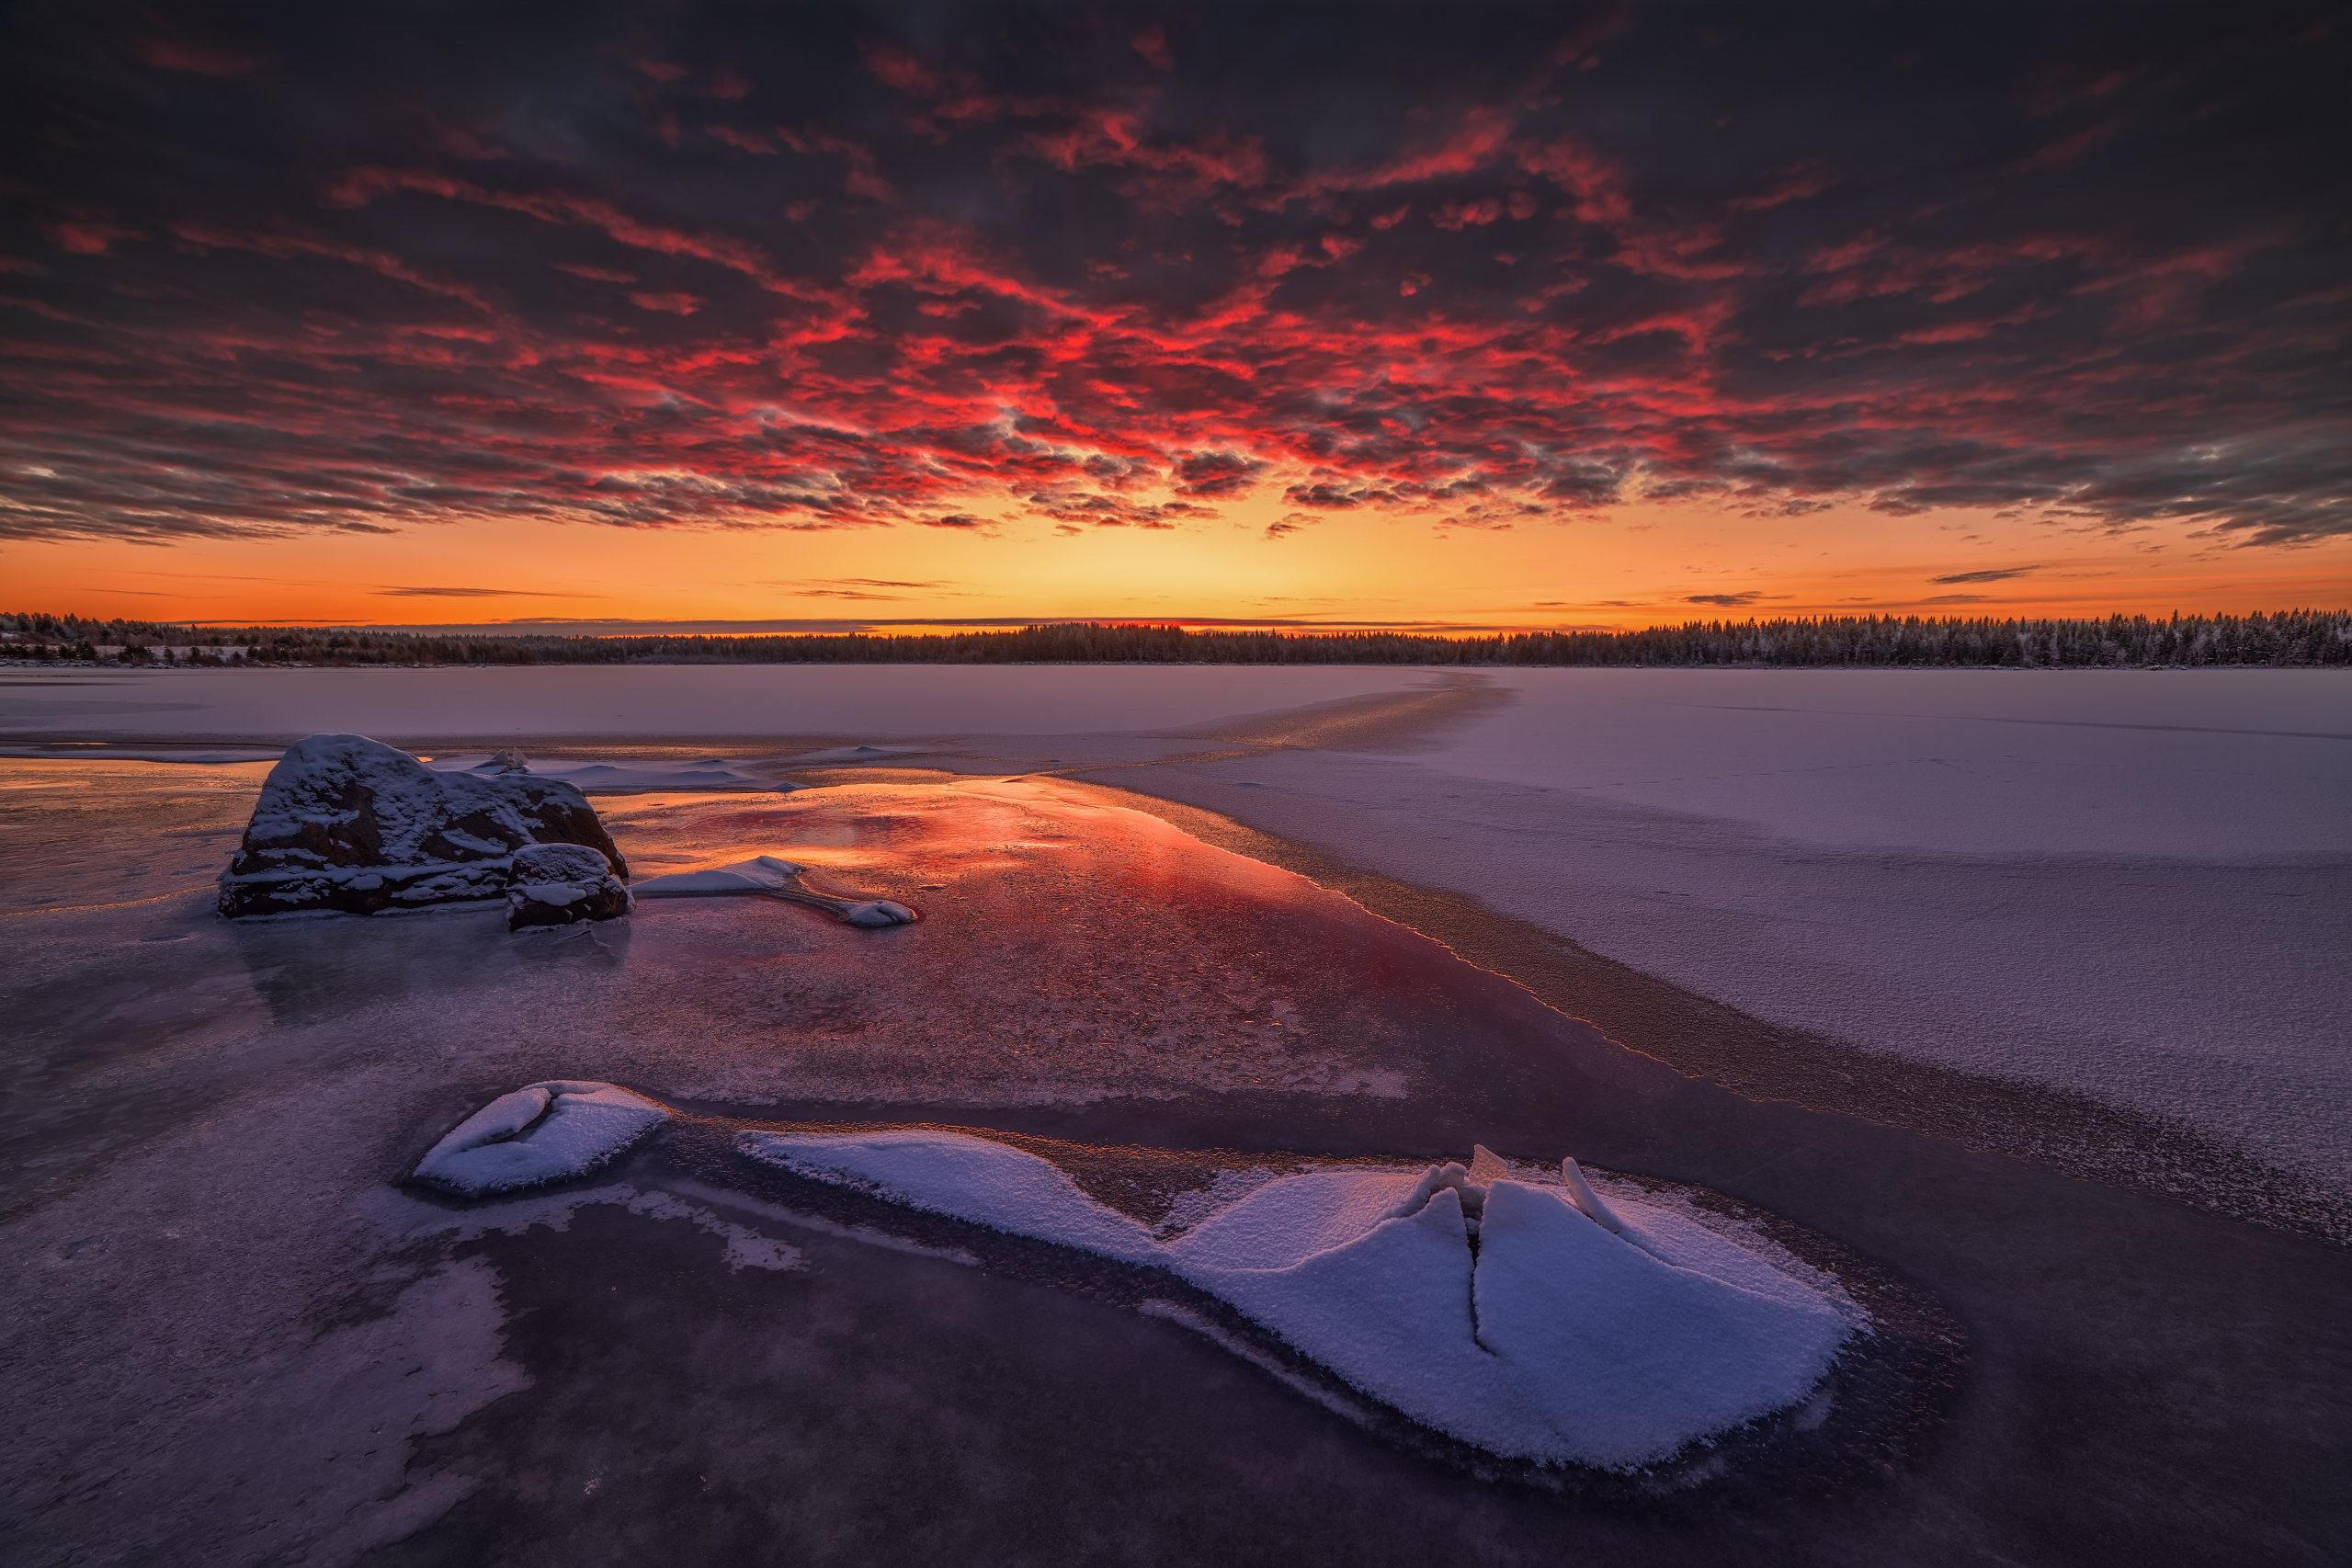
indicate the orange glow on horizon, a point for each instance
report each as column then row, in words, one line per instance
column 1636, row 565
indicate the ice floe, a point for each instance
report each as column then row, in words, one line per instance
column 540, row 1132
column 769, row 877
column 1553, row 1338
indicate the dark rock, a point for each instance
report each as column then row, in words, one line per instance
column 559, row 884
column 348, row 824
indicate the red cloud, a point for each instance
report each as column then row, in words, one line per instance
column 181, row 54
column 962, row 283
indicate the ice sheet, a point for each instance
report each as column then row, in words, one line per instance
column 2098, row 881
column 865, row 700
column 2178, row 764
column 1556, row 1340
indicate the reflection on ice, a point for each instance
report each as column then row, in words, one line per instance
column 1547, row 1337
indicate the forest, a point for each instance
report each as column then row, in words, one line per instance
column 2300, row 638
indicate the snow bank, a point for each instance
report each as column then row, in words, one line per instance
column 1553, row 1339
column 540, row 1132
column 772, row 878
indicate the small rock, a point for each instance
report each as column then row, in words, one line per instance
column 560, row 884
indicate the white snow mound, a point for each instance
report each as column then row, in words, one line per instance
column 1557, row 1340
column 540, row 1132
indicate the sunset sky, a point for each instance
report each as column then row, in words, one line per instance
column 830, row 316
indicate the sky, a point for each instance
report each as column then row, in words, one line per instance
column 1436, row 316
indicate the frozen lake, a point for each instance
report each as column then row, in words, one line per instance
column 228, row 1318
column 2133, row 885
column 2127, row 884
column 2178, row 764
column 879, row 701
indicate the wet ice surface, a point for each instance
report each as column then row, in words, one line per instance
column 231, row 1337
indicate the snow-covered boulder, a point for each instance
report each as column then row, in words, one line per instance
column 559, row 884
column 348, row 824
column 769, row 877
column 1562, row 1336
column 540, row 1132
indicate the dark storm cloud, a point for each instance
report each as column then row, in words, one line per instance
column 1994, row 575
column 477, row 594
column 277, row 268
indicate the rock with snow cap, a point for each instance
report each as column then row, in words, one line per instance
column 561, row 885
column 350, row 824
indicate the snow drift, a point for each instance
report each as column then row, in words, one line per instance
column 542, row 1132
column 1553, row 1338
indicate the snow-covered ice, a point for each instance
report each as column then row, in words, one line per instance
column 2205, row 765
column 1555, row 1340
column 539, row 1133
column 2135, row 885
column 771, row 877
column 592, row 776
column 861, row 702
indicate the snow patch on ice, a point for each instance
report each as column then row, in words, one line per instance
column 774, row 878
column 1553, row 1340
column 591, row 776
column 966, row 1178
column 540, row 1132
column 765, row 873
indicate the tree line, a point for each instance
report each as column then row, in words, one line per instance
column 2300, row 638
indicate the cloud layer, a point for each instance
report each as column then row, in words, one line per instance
column 281, row 268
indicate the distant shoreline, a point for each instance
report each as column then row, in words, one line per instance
column 2289, row 639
